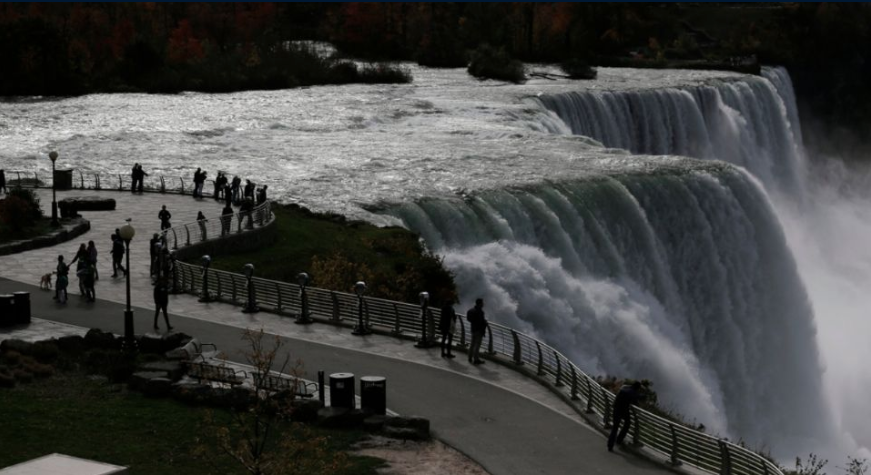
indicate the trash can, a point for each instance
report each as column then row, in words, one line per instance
column 342, row 390
column 6, row 310
column 63, row 179
column 21, row 302
column 373, row 394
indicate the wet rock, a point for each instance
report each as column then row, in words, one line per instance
column 96, row 338
column 157, row 387
column 173, row 370
column 139, row 379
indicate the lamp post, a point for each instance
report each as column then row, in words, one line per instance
column 360, row 329
column 424, row 342
column 54, row 222
column 304, row 318
column 206, row 262
column 251, row 305
column 127, row 232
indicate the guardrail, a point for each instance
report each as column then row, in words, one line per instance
column 676, row 443
column 108, row 182
column 194, row 232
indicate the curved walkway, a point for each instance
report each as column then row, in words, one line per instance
column 501, row 419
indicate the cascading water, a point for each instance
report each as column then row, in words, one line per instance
column 684, row 277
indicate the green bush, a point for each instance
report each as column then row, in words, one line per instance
column 578, row 69
column 20, row 209
column 490, row 63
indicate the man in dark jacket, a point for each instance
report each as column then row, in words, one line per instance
column 626, row 398
column 478, row 322
column 447, row 322
column 164, row 216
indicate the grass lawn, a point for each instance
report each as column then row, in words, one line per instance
column 336, row 254
column 8, row 234
column 86, row 417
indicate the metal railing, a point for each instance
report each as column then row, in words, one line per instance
column 215, row 227
column 675, row 442
column 109, row 182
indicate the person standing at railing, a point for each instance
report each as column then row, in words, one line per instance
column 3, row 182
column 164, row 216
column 478, row 323
column 447, row 325
column 249, row 189
column 236, row 188
column 201, row 220
column 220, row 183
column 226, row 219
column 628, row 396
column 134, row 177
column 142, row 176
column 261, row 195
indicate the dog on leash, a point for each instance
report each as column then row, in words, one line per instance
column 45, row 282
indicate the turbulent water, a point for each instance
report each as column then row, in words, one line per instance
column 568, row 207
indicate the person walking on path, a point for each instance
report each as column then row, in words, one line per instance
column 226, row 219
column 92, row 259
column 478, row 322
column 201, row 220
column 628, row 396
column 161, row 301
column 81, row 261
column 60, row 285
column 447, row 324
column 87, row 281
column 117, row 255
column 3, row 182
column 164, row 216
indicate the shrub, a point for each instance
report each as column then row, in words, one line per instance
column 489, row 63
column 380, row 73
column 578, row 69
column 16, row 213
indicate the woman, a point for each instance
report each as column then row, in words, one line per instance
column 92, row 258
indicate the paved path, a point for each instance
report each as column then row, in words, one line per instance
column 504, row 421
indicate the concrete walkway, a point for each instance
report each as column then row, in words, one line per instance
column 506, row 422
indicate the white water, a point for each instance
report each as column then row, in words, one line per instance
column 649, row 266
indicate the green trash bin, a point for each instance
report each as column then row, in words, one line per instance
column 63, row 179
column 342, row 390
column 21, row 304
column 7, row 316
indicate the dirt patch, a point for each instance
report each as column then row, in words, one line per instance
column 418, row 458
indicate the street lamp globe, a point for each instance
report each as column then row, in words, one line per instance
column 52, row 155
column 360, row 288
column 302, row 278
column 127, row 232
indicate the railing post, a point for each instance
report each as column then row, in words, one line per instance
column 188, row 234
column 574, row 383
column 518, row 351
column 559, row 370
column 490, row 341
column 606, row 417
column 462, row 332
column 725, row 461
column 182, row 184
column 278, row 293
column 233, row 289
column 205, row 296
column 636, row 429
column 120, row 184
column 673, row 458
column 193, row 282
column 162, row 184
column 336, row 315
column 218, row 291
column 251, row 302
column 97, row 181
column 81, row 180
column 174, row 239
column 589, row 408
column 764, row 466
column 397, row 330
column 540, row 371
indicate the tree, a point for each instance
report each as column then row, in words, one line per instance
column 262, row 438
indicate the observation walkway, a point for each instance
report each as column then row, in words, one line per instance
column 504, row 420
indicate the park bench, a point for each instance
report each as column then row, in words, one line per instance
column 214, row 373
column 277, row 383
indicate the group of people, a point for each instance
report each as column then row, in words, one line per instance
column 199, row 181
column 86, row 270
column 137, row 177
column 477, row 322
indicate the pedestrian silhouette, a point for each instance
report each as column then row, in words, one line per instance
column 164, row 217
column 161, row 301
column 478, row 322
column 447, row 325
column 3, row 181
column 628, row 396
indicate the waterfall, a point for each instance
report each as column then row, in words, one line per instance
column 681, row 275
column 684, row 278
column 746, row 122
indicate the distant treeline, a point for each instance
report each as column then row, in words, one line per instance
column 71, row 48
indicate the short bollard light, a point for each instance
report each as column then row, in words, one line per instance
column 205, row 295
column 302, row 278
column 424, row 341
column 251, row 303
column 361, row 328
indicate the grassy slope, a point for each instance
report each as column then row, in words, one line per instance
column 74, row 415
column 390, row 260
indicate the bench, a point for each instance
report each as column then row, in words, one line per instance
column 221, row 374
column 277, row 383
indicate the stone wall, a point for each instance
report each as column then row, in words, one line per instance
column 69, row 229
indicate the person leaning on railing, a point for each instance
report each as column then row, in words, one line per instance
column 226, row 219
